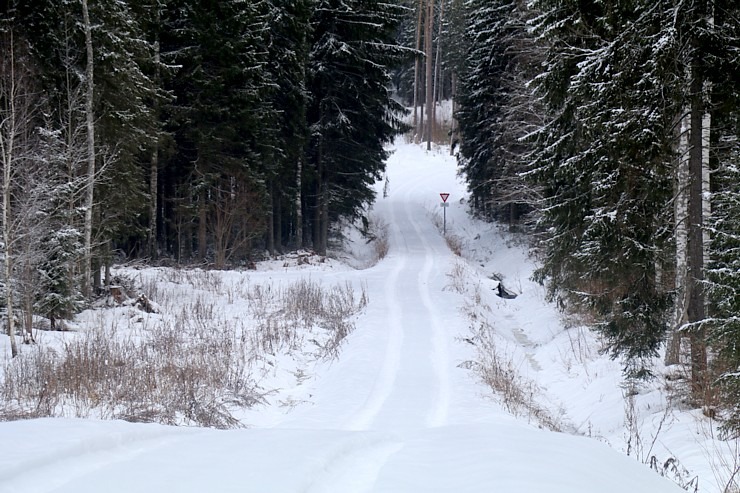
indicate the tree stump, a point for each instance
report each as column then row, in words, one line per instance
column 117, row 293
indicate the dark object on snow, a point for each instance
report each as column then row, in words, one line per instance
column 143, row 303
column 502, row 292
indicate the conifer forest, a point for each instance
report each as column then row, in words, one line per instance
column 216, row 133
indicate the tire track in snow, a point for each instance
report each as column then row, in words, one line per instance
column 385, row 380
column 440, row 352
column 439, row 411
column 352, row 466
column 416, row 260
column 50, row 471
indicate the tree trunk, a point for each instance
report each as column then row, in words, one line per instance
column 416, row 69
column 324, row 220
column 696, row 300
column 316, row 219
column 673, row 349
column 422, row 121
column 429, row 127
column 29, row 293
column 107, row 255
column 202, row 226
column 299, row 205
column 8, row 132
column 453, row 123
column 96, row 278
column 320, row 228
column 154, row 168
column 278, row 214
column 89, row 190
column 271, row 221
column 699, row 210
column 706, row 142
column 437, row 85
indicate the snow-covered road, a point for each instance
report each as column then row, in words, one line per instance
column 411, row 388
column 395, row 413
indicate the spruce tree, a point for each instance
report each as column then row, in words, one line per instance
column 496, row 108
column 724, row 285
column 604, row 162
column 723, row 269
column 352, row 114
column 57, row 287
column 221, row 122
column 287, row 43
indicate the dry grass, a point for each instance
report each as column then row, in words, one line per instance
column 723, row 455
column 643, row 449
column 378, row 235
column 189, row 365
column 454, row 242
column 496, row 368
column 167, row 378
column 500, row 373
column 459, row 278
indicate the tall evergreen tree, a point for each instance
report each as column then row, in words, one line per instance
column 724, row 284
column 605, row 164
column 221, row 118
column 287, row 57
column 496, row 108
column 57, row 288
column 723, row 270
column 352, row 114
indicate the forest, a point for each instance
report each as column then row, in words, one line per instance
column 215, row 133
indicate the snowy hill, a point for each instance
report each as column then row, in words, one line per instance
column 436, row 384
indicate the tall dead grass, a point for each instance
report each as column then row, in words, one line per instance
column 454, row 241
column 379, row 237
column 189, row 365
column 499, row 372
column 497, row 369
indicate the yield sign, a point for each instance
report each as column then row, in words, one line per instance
column 444, row 196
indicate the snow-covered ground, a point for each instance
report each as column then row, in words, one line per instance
column 404, row 407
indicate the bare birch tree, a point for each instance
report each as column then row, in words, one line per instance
column 680, row 227
column 11, row 121
column 27, row 191
column 90, row 185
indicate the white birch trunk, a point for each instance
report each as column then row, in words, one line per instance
column 89, row 192
column 681, row 211
column 706, row 129
column 298, row 204
column 8, row 131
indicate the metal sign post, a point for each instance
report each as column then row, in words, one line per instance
column 444, row 205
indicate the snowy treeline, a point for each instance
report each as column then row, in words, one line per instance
column 185, row 131
column 610, row 130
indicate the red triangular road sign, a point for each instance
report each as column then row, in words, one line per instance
column 444, row 196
